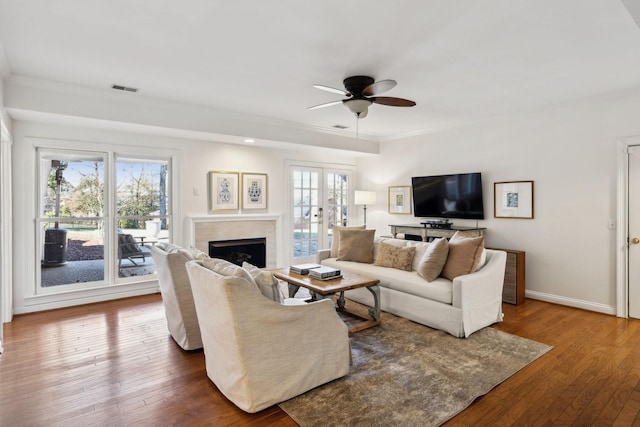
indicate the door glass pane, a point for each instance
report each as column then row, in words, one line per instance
column 305, row 211
column 71, row 218
column 142, row 213
column 337, row 202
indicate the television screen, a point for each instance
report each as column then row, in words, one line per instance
column 448, row 196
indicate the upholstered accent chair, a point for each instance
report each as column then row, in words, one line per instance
column 259, row 352
column 177, row 298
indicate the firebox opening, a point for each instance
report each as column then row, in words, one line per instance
column 253, row 251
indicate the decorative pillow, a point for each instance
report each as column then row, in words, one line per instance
column 356, row 245
column 185, row 253
column 393, row 256
column 198, row 254
column 464, row 255
column 266, row 282
column 335, row 243
column 226, row 268
column 483, row 259
column 421, row 248
column 434, row 259
column 391, row 241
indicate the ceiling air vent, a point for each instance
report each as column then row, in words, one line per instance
column 340, row 126
column 125, row 88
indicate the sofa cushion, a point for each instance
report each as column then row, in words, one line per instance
column 409, row 282
column 434, row 259
column 393, row 256
column 464, row 255
column 356, row 245
column 335, row 243
column 266, row 282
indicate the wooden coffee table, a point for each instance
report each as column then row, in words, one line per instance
column 327, row 288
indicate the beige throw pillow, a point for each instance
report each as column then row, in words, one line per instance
column 464, row 255
column 266, row 282
column 226, row 268
column 434, row 259
column 390, row 255
column 335, row 243
column 356, row 245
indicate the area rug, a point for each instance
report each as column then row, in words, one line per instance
column 406, row 374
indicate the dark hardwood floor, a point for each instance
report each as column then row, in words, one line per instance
column 115, row 364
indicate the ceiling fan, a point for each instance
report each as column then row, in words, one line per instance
column 361, row 92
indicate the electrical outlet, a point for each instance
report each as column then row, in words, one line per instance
column 612, row 224
column 196, row 191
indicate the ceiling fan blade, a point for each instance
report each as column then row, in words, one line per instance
column 326, row 104
column 379, row 87
column 332, row 90
column 394, row 102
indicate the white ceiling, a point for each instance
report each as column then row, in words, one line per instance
column 461, row 61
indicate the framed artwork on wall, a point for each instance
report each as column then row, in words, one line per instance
column 255, row 190
column 400, row 199
column 223, row 191
column 513, row 199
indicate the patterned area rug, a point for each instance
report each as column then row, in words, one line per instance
column 405, row 374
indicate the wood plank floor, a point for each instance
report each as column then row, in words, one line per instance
column 115, row 364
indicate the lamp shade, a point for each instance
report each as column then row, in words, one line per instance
column 365, row 198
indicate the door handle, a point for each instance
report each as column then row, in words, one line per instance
column 635, row 241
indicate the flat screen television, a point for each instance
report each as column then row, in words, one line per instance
column 448, row 196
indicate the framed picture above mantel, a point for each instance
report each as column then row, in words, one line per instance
column 255, row 190
column 513, row 199
column 223, row 191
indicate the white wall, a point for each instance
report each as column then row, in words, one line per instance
column 570, row 154
column 197, row 158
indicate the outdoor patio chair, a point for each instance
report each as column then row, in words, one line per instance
column 129, row 249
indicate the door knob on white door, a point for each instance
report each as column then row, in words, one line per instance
column 635, row 240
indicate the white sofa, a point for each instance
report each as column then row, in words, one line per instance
column 259, row 352
column 459, row 307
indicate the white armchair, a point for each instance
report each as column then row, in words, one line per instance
column 177, row 298
column 259, row 352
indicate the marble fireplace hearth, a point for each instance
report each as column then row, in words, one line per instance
column 203, row 229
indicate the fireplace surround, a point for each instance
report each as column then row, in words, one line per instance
column 204, row 229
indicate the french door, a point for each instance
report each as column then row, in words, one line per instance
column 320, row 198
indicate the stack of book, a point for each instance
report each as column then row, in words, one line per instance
column 302, row 269
column 325, row 273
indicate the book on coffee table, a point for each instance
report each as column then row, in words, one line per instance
column 324, row 273
column 303, row 269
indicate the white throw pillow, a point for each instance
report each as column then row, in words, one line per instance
column 266, row 282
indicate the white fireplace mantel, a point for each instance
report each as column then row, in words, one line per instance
column 202, row 229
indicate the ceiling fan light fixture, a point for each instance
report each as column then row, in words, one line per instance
column 359, row 107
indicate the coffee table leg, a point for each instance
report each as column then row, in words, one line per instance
column 340, row 301
column 374, row 311
column 292, row 290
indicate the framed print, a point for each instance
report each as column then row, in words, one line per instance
column 223, row 191
column 400, row 199
column 255, row 191
column 513, row 199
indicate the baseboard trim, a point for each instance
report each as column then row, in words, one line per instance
column 572, row 302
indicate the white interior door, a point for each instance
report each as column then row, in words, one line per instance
column 634, row 231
